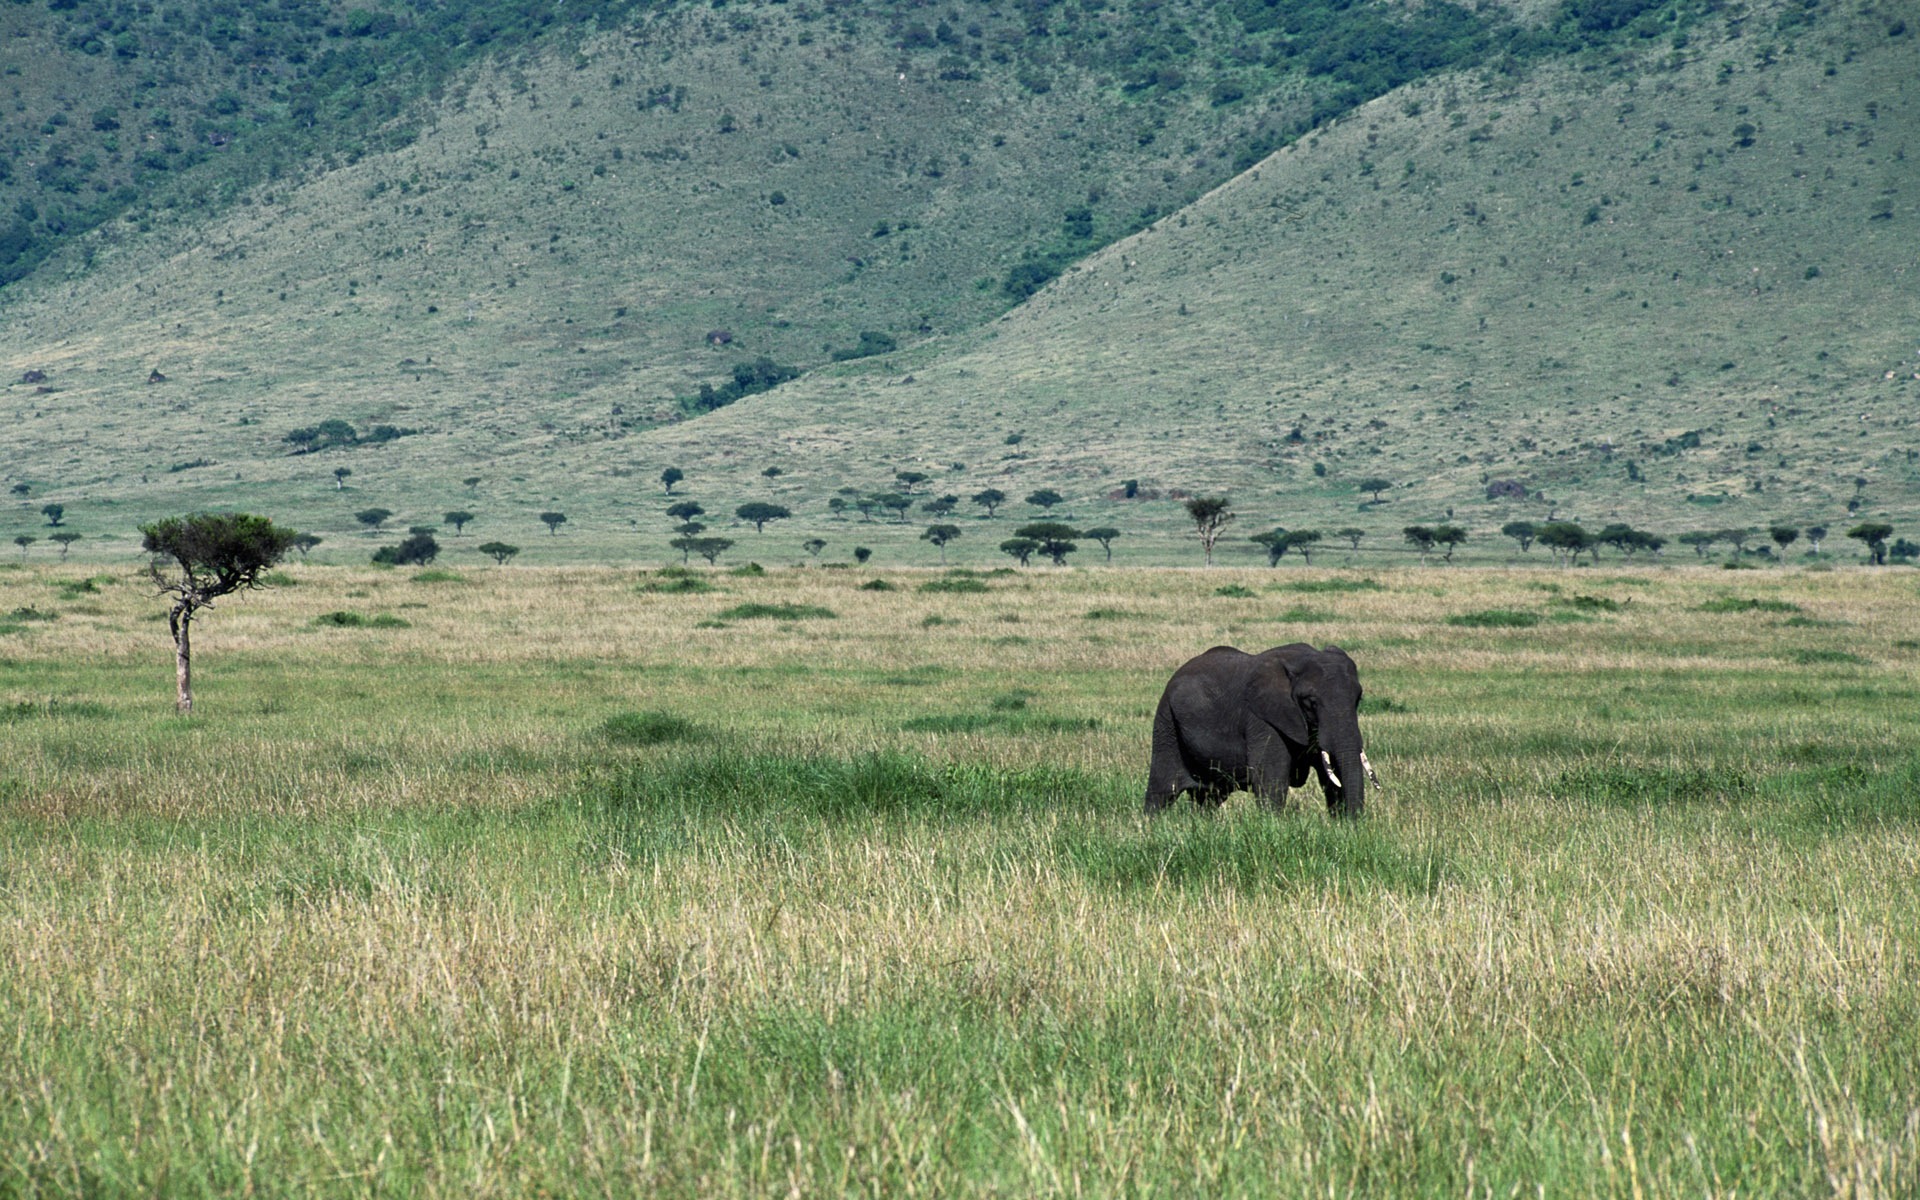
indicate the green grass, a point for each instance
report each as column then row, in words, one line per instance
column 776, row 612
column 1496, row 618
column 556, row 891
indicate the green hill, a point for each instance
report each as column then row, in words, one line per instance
column 1659, row 282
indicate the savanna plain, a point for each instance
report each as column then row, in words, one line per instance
column 832, row 882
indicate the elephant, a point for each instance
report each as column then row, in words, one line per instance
column 1263, row 722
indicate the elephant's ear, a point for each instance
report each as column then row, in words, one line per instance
column 1270, row 697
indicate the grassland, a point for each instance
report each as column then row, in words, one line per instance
column 563, row 880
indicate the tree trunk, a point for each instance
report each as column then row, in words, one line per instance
column 181, row 622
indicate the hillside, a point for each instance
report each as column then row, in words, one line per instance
column 1683, row 258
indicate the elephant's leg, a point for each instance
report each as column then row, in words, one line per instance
column 1269, row 772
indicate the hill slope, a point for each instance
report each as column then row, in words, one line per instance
column 1535, row 276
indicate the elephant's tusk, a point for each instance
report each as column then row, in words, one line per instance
column 1332, row 778
column 1369, row 769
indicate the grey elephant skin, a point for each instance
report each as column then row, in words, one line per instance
column 1230, row 720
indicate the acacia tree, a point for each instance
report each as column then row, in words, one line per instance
column 898, row 502
column 940, row 535
column 500, row 551
column 1055, row 539
column 910, row 480
column 340, row 478
column 1566, row 539
column 53, row 512
column 813, row 546
column 1353, row 534
column 1210, row 516
column 759, row 512
column 1421, row 538
column 1044, row 499
column 199, row 558
column 1104, row 534
column 941, row 506
column 553, row 521
column 1304, row 541
column 1450, row 536
column 306, row 542
column 1519, row 531
column 990, row 499
column 1700, row 540
column 23, row 541
column 1874, row 535
column 1376, row 486
column 66, row 538
column 671, row 476
column 373, row 518
column 1274, row 541
column 1815, row 535
column 1021, row 548
column 1784, row 536
column 458, row 518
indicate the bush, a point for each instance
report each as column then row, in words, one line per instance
column 649, row 729
column 345, row 619
column 1496, row 618
column 778, row 612
column 956, row 585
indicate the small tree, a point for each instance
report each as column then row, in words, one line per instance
column 1044, row 499
column 305, row 542
column 671, row 476
column 1450, row 536
column 1565, row 539
column 1304, row 540
column 910, row 480
column 1210, row 516
column 758, row 513
column 1103, row 534
column 941, row 506
column 53, row 512
column 23, row 541
column 1376, row 486
column 66, row 538
column 1738, row 538
column 990, row 499
column 553, row 521
column 940, row 535
column 373, row 518
column 418, row 549
column 771, row 474
column 1021, row 548
column 1056, row 539
column 1783, row 536
column 1421, row 538
column 21, row 489
column 500, row 551
column 861, row 554
column 458, row 519
column 1353, row 534
column 813, row 546
column 473, row 484
column 1874, row 535
column 1700, row 540
column 1519, row 531
column 711, row 548
column 199, row 558
column 685, row 511
column 896, row 501
column 1274, row 542
column 340, row 478
column 1815, row 535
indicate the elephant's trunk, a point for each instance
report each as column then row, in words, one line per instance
column 1343, row 774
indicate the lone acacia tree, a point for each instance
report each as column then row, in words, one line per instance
column 671, row 476
column 500, row 551
column 554, row 520
column 1210, row 515
column 990, row 499
column 759, row 512
column 1874, row 535
column 458, row 518
column 940, row 535
column 201, row 557
column 1104, row 534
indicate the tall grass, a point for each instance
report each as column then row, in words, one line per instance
column 554, row 891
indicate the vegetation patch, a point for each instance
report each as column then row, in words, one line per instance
column 1496, row 618
column 1736, row 604
column 1252, row 850
column 678, row 585
column 960, row 585
column 438, row 575
column 1113, row 614
column 1306, row 616
column 1312, row 586
column 999, row 722
column 878, row 585
column 777, row 612
column 1622, row 786
column 1814, row 657
column 1382, row 704
column 30, row 710
column 1234, row 591
column 29, row 613
column 1584, row 603
column 650, row 729
column 348, row 619
column 73, row 589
